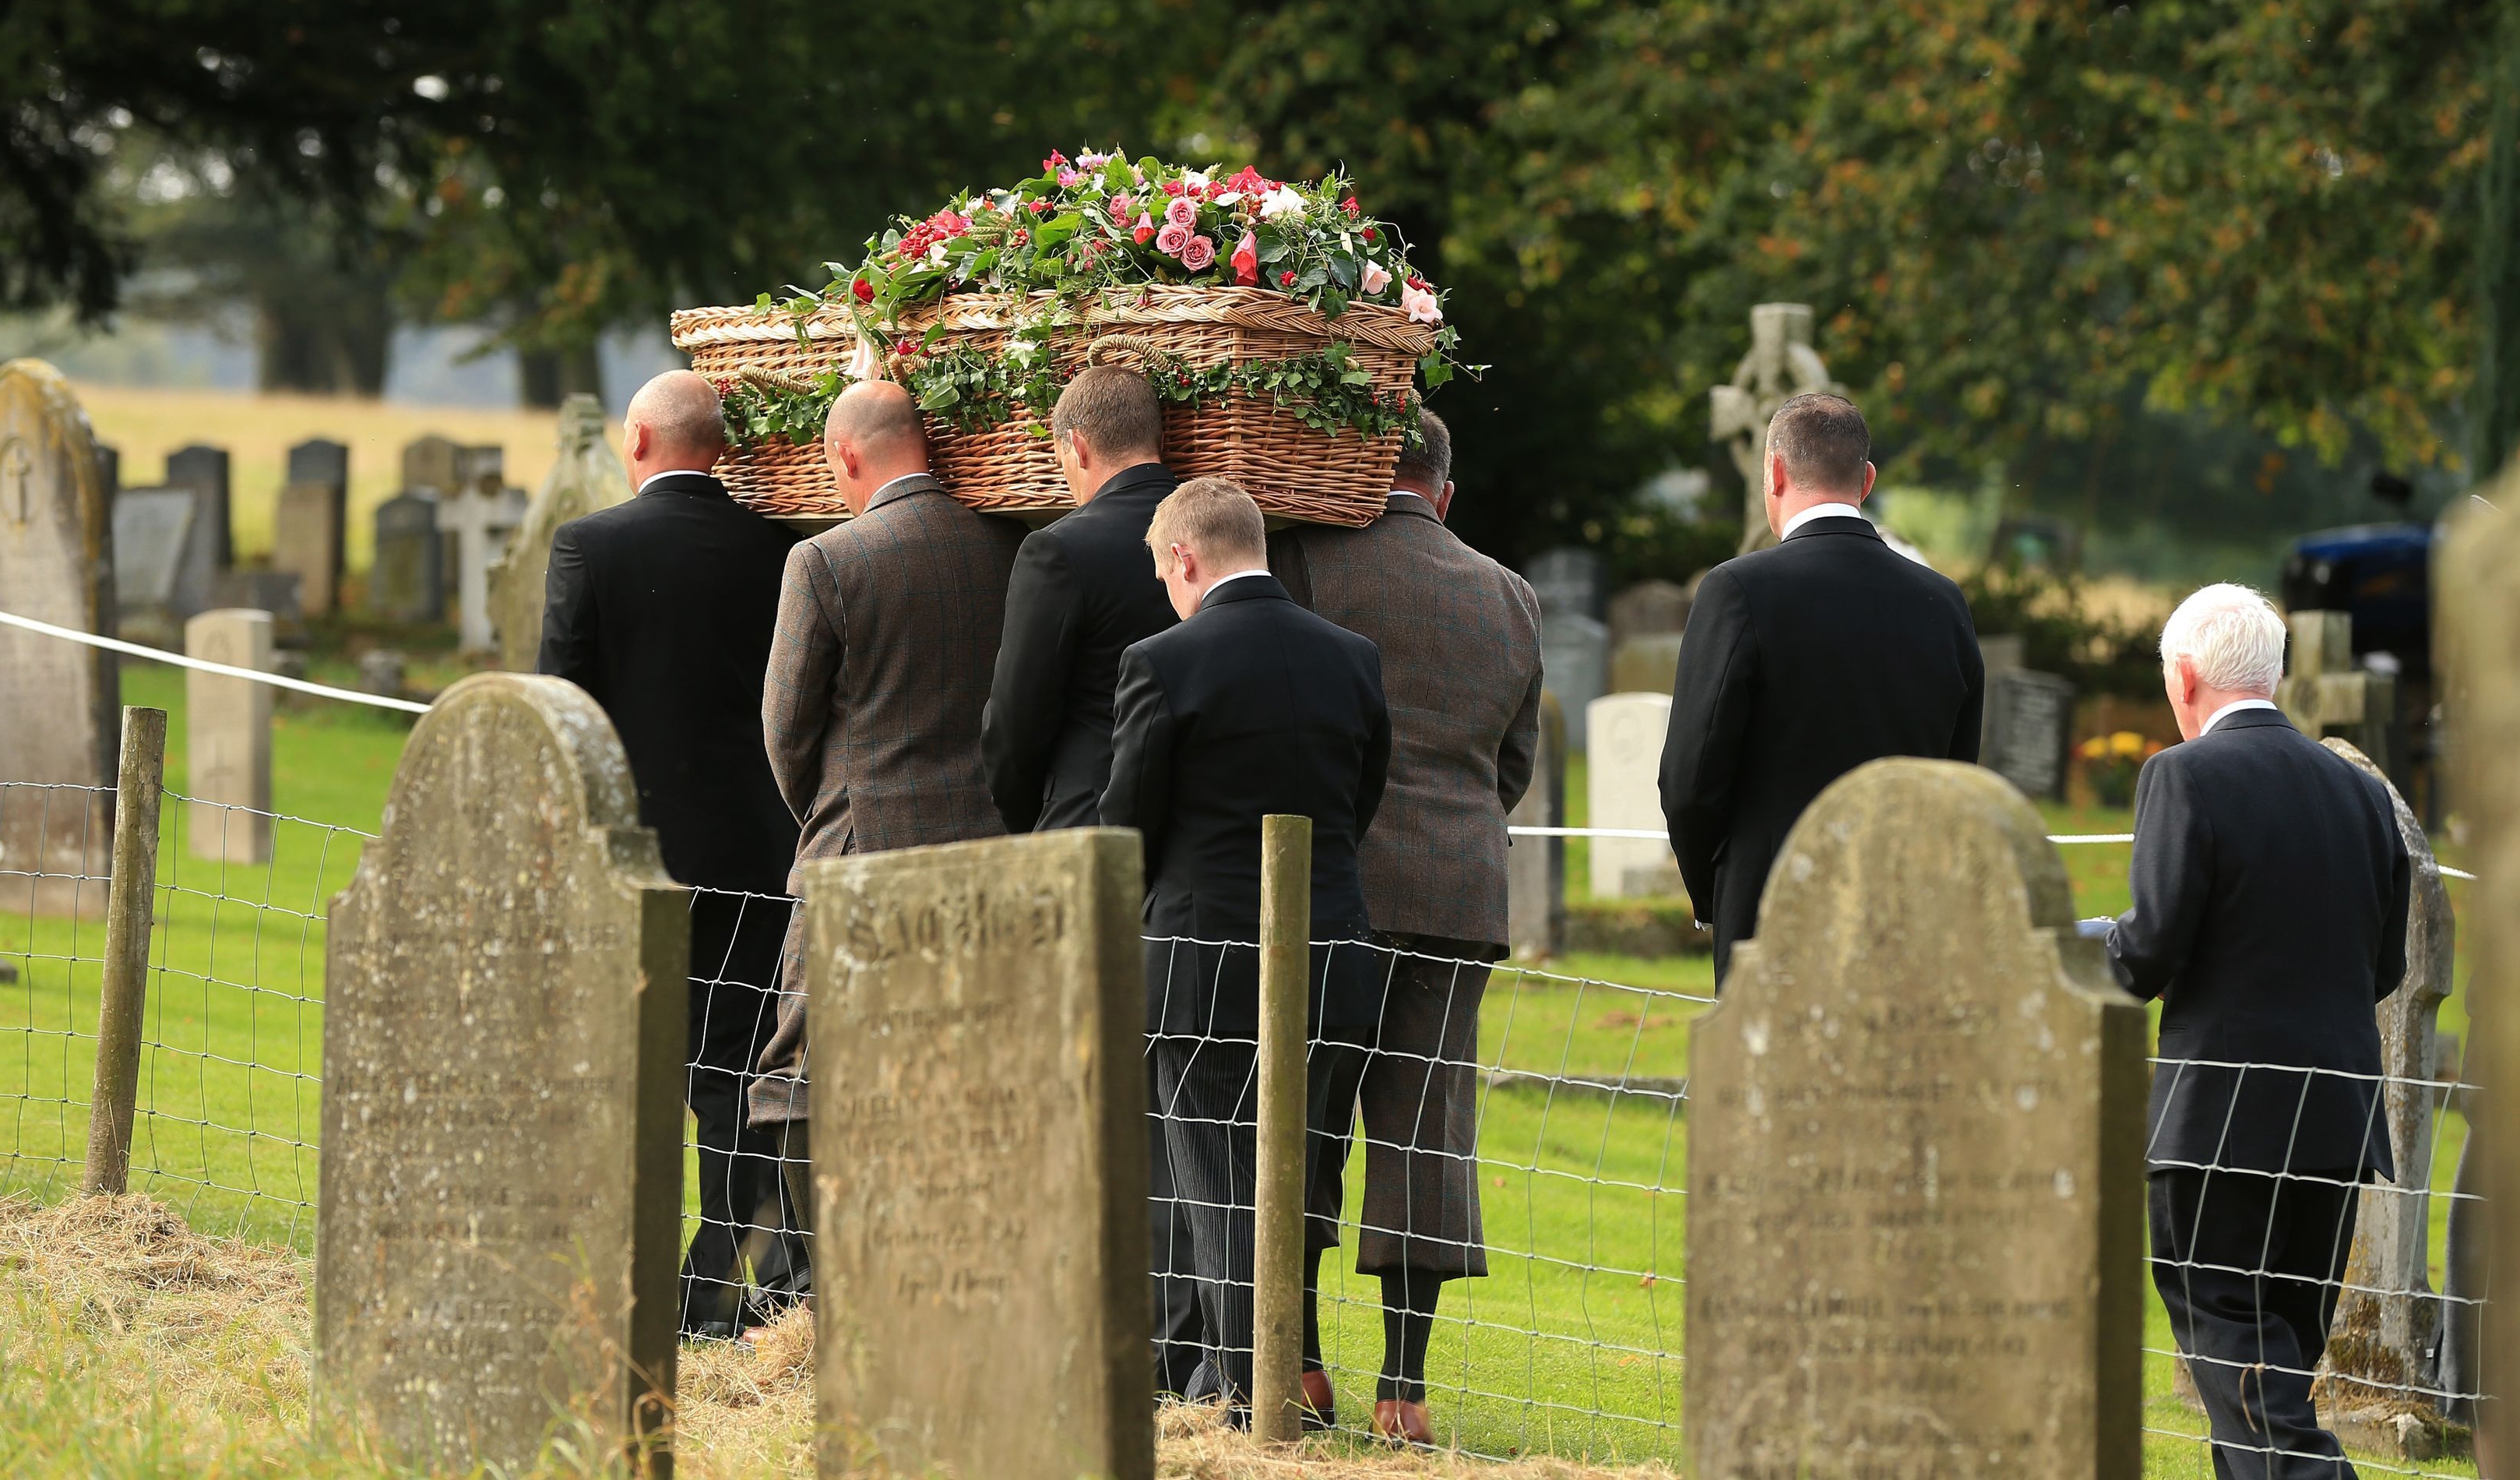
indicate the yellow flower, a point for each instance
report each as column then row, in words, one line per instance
column 2126, row 743
column 2095, row 748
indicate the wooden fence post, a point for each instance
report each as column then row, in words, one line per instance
column 1278, row 1247
column 129, row 896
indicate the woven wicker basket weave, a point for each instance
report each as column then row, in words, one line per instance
column 1294, row 471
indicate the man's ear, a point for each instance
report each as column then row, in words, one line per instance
column 1777, row 482
column 633, row 442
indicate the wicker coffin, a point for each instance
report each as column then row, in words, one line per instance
column 1294, row 471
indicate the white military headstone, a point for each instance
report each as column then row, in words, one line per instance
column 227, row 738
column 1624, row 789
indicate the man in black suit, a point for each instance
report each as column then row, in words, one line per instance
column 1251, row 706
column 662, row 608
column 1802, row 662
column 2270, row 893
column 1082, row 591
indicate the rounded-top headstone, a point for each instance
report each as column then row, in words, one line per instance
column 1916, row 1156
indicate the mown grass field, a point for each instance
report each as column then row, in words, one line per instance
column 1571, row 1346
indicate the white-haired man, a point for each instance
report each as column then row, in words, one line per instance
column 2270, row 916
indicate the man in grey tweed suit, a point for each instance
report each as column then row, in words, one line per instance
column 888, row 628
column 1459, row 637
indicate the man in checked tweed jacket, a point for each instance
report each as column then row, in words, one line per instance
column 888, row 629
column 1459, row 637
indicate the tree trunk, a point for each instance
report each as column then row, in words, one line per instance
column 2497, row 410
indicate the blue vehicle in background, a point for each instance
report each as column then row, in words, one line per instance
column 2380, row 574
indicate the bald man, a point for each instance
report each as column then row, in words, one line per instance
column 888, row 628
column 662, row 608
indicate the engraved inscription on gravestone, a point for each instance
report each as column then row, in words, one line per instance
column 1916, row 1140
column 503, row 1047
column 2029, row 724
column 1624, row 782
column 60, row 704
column 979, row 1150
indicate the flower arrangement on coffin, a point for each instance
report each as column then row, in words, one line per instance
column 1284, row 327
column 2110, row 763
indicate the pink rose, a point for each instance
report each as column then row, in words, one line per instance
column 1121, row 207
column 1181, row 213
column 1421, row 305
column 1198, row 253
column 1172, row 239
column 1374, row 279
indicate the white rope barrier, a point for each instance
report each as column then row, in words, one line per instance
column 2061, row 840
column 179, row 660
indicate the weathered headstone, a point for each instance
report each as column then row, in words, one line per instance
column 109, row 467
column 204, row 471
column 1535, row 869
column 1780, row 365
column 432, row 462
column 1645, row 665
column 2382, row 1340
column 153, row 534
column 60, row 701
column 1622, row 788
column 979, row 1155
column 1569, row 580
column 2003, row 651
column 1575, row 656
column 227, row 738
column 478, row 522
column 2325, row 693
column 306, row 542
column 2028, row 730
column 1915, row 1157
column 1648, row 609
column 587, row 475
column 407, row 583
column 500, row 1186
column 2480, row 615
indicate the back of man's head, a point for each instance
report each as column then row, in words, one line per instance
column 1427, row 465
column 2233, row 635
column 1823, row 442
column 683, row 418
column 1113, row 410
column 882, row 421
column 1214, row 519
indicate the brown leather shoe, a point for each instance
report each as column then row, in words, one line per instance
column 1320, row 1406
column 1403, row 1423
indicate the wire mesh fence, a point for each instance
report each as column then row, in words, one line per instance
column 1555, row 1101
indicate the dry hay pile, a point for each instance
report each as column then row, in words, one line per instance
column 143, row 1345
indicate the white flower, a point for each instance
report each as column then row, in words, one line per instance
column 1421, row 305
column 864, row 364
column 1374, row 279
column 1192, row 179
column 1280, row 201
column 936, row 255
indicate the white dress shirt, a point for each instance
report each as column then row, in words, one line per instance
column 1820, row 511
column 2232, row 707
column 1235, row 575
column 649, row 480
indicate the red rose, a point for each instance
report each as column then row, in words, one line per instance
column 1246, row 260
column 1351, row 207
column 1367, row 233
column 1286, row 279
column 864, row 290
column 1172, row 186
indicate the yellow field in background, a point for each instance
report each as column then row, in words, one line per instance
column 258, row 432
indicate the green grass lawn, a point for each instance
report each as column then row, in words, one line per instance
column 1571, row 1345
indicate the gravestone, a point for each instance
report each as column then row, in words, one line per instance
column 273, row 591
column 60, row 701
column 2028, row 730
column 380, row 672
column 498, row 1238
column 2479, row 614
column 1648, row 609
column 152, row 590
column 2387, row 1319
column 1569, row 580
column 2003, row 651
column 2324, row 692
column 1622, row 788
column 1647, row 664
column 587, row 475
column 227, row 738
column 1575, row 659
column 979, row 1150
column 431, row 462
column 478, row 522
column 1535, row 869
column 306, row 542
column 407, row 584
column 1916, row 1157
column 109, row 467
column 1781, row 365
column 204, row 471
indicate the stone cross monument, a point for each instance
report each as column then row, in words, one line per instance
column 1916, row 1157
column 1780, row 365
column 2323, row 693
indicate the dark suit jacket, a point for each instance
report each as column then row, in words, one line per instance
column 1254, row 706
column 1800, row 662
column 1459, row 639
column 662, row 608
column 888, row 624
column 1083, row 589
column 2269, row 916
